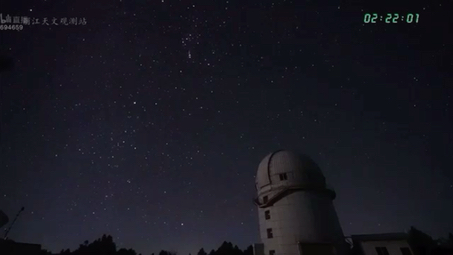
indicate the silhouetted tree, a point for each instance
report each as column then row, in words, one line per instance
column 446, row 242
column 444, row 246
column 248, row 251
column 101, row 246
column 45, row 252
column 65, row 252
column 225, row 249
column 212, row 252
column 123, row 251
column 107, row 246
column 236, row 251
column 201, row 252
column 420, row 242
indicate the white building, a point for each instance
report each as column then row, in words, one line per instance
column 382, row 244
column 296, row 213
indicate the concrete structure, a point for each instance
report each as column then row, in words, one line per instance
column 296, row 213
column 382, row 244
column 258, row 249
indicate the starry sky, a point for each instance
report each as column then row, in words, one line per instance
column 147, row 120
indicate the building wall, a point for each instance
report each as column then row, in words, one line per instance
column 393, row 246
column 258, row 249
column 306, row 217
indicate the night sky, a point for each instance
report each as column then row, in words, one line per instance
column 148, row 122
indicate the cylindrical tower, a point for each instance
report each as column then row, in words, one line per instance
column 296, row 213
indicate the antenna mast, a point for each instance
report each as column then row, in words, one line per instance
column 17, row 215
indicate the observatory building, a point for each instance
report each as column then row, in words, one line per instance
column 296, row 213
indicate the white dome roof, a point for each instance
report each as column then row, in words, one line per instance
column 303, row 170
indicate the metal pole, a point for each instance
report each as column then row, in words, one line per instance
column 17, row 215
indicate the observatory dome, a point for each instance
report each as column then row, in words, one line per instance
column 295, row 208
column 297, row 169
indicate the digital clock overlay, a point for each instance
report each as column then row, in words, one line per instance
column 391, row 18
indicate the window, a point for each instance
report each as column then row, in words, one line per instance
column 283, row 177
column 271, row 252
column 382, row 251
column 265, row 199
column 267, row 216
column 405, row 251
column 270, row 235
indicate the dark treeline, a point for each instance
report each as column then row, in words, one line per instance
column 106, row 246
column 424, row 244
column 421, row 243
